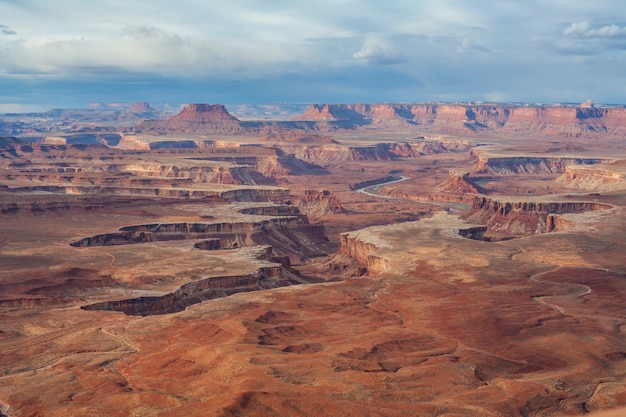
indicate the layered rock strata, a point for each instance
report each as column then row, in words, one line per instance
column 364, row 250
column 285, row 233
column 197, row 292
column 523, row 164
column 196, row 118
column 526, row 217
column 571, row 121
column 378, row 152
column 318, row 203
column 598, row 178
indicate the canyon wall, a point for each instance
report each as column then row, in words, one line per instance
column 378, row 152
column 571, row 121
column 596, row 178
column 196, row 292
column 526, row 217
column 508, row 165
column 364, row 251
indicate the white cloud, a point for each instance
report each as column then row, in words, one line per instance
column 377, row 50
column 584, row 29
column 468, row 45
column 150, row 50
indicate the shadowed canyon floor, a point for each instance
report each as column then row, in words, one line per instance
column 366, row 272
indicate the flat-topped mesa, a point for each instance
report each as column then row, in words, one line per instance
column 331, row 112
column 204, row 113
column 197, row 118
column 359, row 112
column 138, row 112
column 140, row 107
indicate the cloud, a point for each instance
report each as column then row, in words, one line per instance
column 149, row 50
column 468, row 45
column 438, row 50
column 5, row 30
column 377, row 50
column 585, row 30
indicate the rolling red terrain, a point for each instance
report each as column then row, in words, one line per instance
column 364, row 260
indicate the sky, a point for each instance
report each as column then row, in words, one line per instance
column 69, row 53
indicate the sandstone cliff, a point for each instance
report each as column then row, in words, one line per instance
column 198, row 291
column 195, row 118
column 570, row 121
column 360, row 246
column 460, row 182
column 378, row 152
column 502, row 164
column 521, row 217
column 609, row 177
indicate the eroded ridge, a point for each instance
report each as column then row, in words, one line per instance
column 520, row 217
column 290, row 236
column 278, row 274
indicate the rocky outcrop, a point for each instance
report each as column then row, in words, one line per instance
column 594, row 178
column 283, row 163
column 240, row 232
column 354, row 115
column 195, row 118
column 274, row 210
column 288, row 235
column 197, row 292
column 364, row 250
column 138, row 112
column 474, row 233
column 507, row 165
column 378, row 152
column 526, row 217
column 460, row 182
column 318, row 203
column 558, row 120
column 61, row 169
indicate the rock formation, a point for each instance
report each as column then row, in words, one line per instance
column 599, row 178
column 460, row 182
column 378, row 152
column 198, row 291
column 195, row 118
column 524, row 164
column 456, row 118
column 138, row 112
column 317, row 203
column 522, row 217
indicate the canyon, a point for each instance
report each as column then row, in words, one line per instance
column 449, row 259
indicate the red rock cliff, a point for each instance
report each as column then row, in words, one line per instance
column 196, row 118
column 464, row 118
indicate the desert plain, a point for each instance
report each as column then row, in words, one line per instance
column 429, row 259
